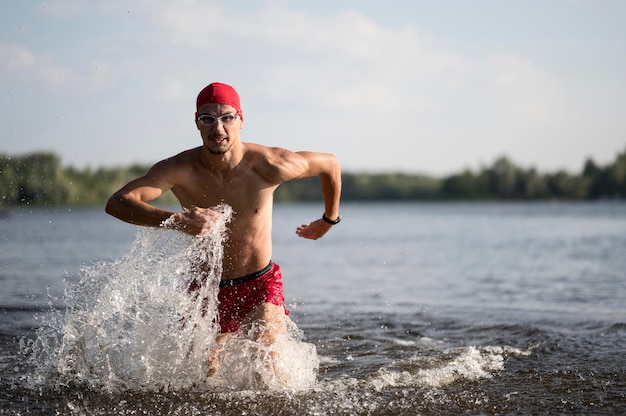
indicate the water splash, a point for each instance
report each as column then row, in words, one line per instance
column 131, row 324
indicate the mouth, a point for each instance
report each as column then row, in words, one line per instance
column 218, row 140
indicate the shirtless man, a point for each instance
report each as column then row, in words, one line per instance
column 243, row 175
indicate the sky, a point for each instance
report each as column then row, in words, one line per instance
column 430, row 87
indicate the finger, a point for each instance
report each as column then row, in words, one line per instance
column 303, row 233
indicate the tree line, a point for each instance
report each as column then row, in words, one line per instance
column 39, row 179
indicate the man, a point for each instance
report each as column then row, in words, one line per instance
column 243, row 175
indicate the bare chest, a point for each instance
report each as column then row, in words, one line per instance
column 247, row 193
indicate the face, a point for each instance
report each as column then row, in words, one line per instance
column 222, row 134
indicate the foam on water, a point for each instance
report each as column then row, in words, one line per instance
column 468, row 363
column 131, row 324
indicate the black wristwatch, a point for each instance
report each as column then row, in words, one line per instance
column 331, row 222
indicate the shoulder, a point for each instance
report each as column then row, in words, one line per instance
column 173, row 165
column 272, row 155
column 275, row 164
column 183, row 158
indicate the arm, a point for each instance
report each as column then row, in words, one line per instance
column 327, row 167
column 130, row 203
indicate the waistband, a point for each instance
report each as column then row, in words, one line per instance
column 251, row 276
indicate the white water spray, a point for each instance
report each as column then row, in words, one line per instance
column 133, row 325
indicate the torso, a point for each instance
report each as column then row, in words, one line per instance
column 248, row 247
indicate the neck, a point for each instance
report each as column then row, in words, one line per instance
column 223, row 162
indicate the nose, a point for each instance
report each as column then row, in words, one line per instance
column 218, row 125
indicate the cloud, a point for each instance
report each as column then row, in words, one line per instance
column 376, row 86
column 345, row 61
column 14, row 57
column 52, row 76
column 171, row 89
column 380, row 94
column 339, row 61
column 62, row 8
column 523, row 90
column 21, row 62
column 101, row 74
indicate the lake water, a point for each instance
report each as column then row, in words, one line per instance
column 409, row 308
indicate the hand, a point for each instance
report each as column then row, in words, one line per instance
column 194, row 221
column 314, row 230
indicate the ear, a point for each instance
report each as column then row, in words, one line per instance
column 195, row 120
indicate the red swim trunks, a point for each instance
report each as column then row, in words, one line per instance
column 238, row 297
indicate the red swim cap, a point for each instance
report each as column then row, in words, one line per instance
column 219, row 93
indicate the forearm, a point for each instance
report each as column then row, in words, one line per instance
column 330, row 181
column 136, row 212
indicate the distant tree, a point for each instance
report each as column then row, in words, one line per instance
column 598, row 177
column 32, row 179
column 503, row 179
column 608, row 181
column 532, row 185
column 464, row 185
column 617, row 176
column 38, row 179
column 563, row 185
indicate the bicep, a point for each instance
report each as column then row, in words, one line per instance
column 150, row 186
column 316, row 164
column 141, row 189
column 284, row 165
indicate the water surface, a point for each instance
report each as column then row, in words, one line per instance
column 412, row 308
